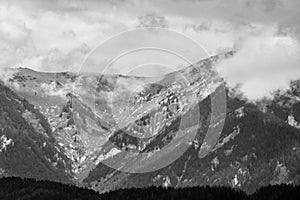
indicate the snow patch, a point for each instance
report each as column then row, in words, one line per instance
column 157, row 177
column 4, row 142
column 240, row 112
column 166, row 182
column 111, row 153
column 235, row 181
column 231, row 136
column 293, row 122
column 2, row 171
column 215, row 162
column 55, row 89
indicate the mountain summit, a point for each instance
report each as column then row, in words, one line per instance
column 182, row 129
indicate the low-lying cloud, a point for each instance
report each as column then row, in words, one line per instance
column 57, row 36
column 264, row 63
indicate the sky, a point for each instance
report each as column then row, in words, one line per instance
column 61, row 35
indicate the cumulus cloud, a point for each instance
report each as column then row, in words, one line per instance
column 264, row 63
column 152, row 20
column 57, row 35
column 53, row 89
column 14, row 36
column 55, row 60
column 52, row 36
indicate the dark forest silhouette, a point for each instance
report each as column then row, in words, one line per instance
column 18, row 188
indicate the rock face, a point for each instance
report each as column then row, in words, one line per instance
column 182, row 129
column 254, row 149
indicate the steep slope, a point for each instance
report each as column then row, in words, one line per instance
column 285, row 105
column 87, row 111
column 27, row 146
column 258, row 146
column 255, row 149
column 167, row 130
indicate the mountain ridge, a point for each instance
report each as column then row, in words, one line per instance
column 98, row 120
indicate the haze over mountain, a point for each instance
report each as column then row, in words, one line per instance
column 167, row 96
column 57, row 36
column 107, row 133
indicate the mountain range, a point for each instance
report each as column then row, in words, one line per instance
column 183, row 129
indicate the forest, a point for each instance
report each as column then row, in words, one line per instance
column 21, row 188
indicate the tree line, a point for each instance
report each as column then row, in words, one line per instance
column 20, row 188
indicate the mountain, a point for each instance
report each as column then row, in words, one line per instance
column 182, row 129
column 255, row 149
column 27, row 145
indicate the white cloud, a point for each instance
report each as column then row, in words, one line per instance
column 263, row 63
column 57, row 35
column 51, row 37
column 56, row 60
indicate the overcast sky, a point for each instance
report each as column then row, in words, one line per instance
column 58, row 35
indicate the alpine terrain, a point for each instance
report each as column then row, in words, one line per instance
column 186, row 128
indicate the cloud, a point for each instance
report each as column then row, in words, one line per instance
column 52, row 36
column 284, row 12
column 55, row 60
column 263, row 64
column 152, row 20
column 57, row 35
column 52, row 89
column 14, row 36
